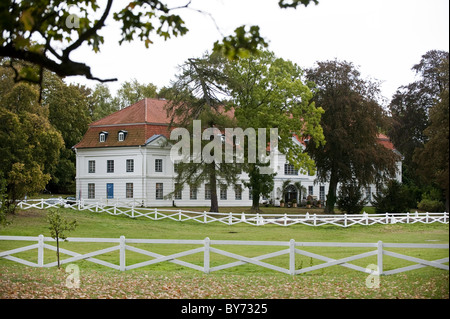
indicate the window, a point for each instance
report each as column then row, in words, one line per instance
column 193, row 192
column 290, row 170
column 102, row 136
column 238, row 192
column 223, row 192
column 158, row 165
column 130, row 165
column 121, row 136
column 91, row 165
column 159, row 190
column 178, row 193
column 91, row 190
column 129, row 190
column 250, row 193
column 310, row 190
column 110, row 166
column 322, row 193
column 207, row 191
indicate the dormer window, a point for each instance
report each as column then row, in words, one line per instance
column 103, row 136
column 121, row 136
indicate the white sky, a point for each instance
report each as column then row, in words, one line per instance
column 384, row 38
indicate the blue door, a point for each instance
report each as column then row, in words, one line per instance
column 110, row 190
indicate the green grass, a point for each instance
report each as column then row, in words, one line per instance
column 246, row 280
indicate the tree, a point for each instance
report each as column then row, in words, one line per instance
column 58, row 228
column 269, row 92
column 391, row 199
column 433, row 158
column 69, row 114
column 350, row 199
column 133, row 91
column 196, row 96
column 259, row 184
column 101, row 103
column 46, row 33
column 351, row 124
column 410, row 114
column 29, row 145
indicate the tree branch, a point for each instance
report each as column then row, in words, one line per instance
column 65, row 68
column 89, row 33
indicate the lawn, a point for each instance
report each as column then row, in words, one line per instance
column 168, row 280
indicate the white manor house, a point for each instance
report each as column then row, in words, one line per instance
column 125, row 158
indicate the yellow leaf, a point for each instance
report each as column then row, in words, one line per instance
column 27, row 19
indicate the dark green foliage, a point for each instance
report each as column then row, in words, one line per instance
column 392, row 199
column 350, row 198
column 352, row 120
column 430, row 205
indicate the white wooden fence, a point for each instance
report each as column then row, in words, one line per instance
column 208, row 246
column 236, row 218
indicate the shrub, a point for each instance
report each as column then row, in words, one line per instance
column 350, row 198
column 431, row 205
column 391, row 199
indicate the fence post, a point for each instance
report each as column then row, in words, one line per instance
column 292, row 257
column 206, row 256
column 41, row 251
column 380, row 257
column 122, row 253
column 204, row 217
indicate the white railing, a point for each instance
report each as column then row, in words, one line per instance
column 344, row 220
column 206, row 247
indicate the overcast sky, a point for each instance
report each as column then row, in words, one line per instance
column 384, row 38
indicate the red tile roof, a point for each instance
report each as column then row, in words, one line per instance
column 385, row 141
column 141, row 120
column 144, row 111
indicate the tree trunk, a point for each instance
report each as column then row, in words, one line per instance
column 255, row 202
column 57, row 250
column 331, row 197
column 213, row 184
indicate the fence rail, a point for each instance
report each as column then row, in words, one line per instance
column 236, row 218
column 208, row 246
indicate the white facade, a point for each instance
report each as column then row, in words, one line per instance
column 144, row 175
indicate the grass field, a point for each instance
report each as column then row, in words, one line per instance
column 168, row 280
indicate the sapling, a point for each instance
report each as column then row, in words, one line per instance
column 58, row 228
